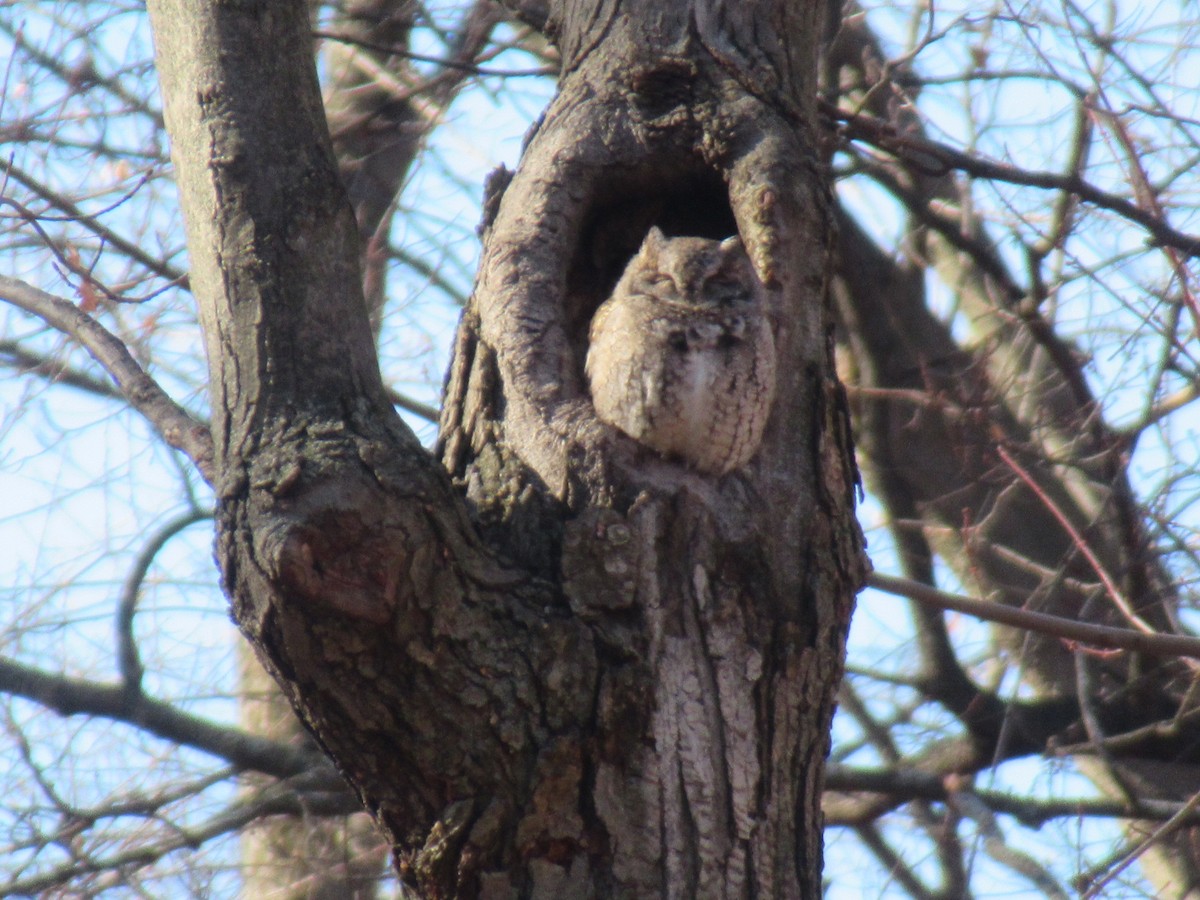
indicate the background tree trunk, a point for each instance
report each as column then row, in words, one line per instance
column 627, row 691
column 306, row 857
column 992, row 453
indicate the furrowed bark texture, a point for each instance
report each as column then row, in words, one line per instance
column 375, row 141
column 719, row 607
column 626, row 689
column 306, row 857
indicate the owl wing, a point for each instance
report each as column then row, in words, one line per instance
column 624, row 368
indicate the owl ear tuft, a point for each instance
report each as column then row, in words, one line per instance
column 654, row 238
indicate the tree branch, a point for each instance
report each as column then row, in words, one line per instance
column 277, row 799
column 74, row 696
column 934, row 158
column 901, row 785
column 102, row 231
column 177, row 427
column 1103, row 636
column 24, row 360
column 129, row 660
column 439, row 61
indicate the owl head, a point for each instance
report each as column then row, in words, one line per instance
column 693, row 270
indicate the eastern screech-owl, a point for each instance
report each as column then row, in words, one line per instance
column 681, row 357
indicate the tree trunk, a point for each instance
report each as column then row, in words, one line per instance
column 375, row 139
column 603, row 674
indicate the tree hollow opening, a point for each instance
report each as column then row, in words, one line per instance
column 694, row 203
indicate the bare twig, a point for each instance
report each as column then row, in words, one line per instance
column 416, row 407
column 129, row 660
column 902, row 785
column 1184, row 817
column 22, row 359
column 75, row 214
column 274, row 800
column 440, row 62
column 1081, row 545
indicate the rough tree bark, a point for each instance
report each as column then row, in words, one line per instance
column 376, row 130
column 578, row 670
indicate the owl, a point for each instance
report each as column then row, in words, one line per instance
column 681, row 357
